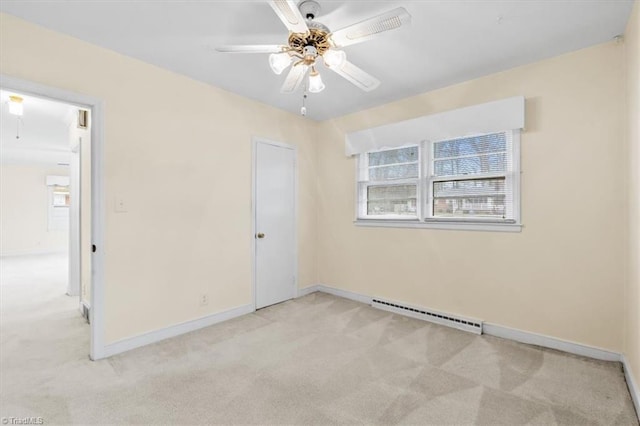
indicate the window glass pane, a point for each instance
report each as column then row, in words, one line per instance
column 491, row 163
column 392, row 199
column 483, row 144
column 469, row 178
column 473, row 187
column 61, row 196
column 394, row 156
column 470, row 207
column 470, row 198
column 400, row 171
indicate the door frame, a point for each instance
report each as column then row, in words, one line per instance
column 97, row 330
column 75, row 216
column 254, row 163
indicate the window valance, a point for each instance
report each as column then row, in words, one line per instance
column 505, row 114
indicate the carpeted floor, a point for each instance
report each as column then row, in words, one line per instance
column 314, row 360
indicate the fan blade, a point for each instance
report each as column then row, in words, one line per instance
column 357, row 76
column 290, row 15
column 294, row 78
column 251, row 48
column 367, row 29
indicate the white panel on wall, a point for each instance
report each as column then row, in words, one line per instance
column 505, row 114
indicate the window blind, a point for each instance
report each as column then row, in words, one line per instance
column 389, row 183
column 471, row 177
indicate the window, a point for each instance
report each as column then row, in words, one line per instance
column 389, row 183
column 459, row 182
column 59, row 202
column 60, row 196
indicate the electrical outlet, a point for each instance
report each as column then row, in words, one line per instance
column 204, row 299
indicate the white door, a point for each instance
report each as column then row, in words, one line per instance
column 274, row 223
column 73, row 287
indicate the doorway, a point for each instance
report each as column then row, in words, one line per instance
column 45, row 179
column 275, row 253
column 92, row 243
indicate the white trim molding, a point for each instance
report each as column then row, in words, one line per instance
column 634, row 390
column 307, row 290
column 550, row 342
column 449, row 225
column 345, row 294
column 174, row 330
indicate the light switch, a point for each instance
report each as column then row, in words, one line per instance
column 121, row 206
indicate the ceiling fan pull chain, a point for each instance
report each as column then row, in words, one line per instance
column 303, row 110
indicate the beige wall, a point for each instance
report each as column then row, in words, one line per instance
column 184, row 173
column 561, row 276
column 632, row 296
column 24, row 210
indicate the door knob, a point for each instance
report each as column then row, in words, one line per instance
column 260, row 235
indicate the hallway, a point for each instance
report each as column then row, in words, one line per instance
column 40, row 328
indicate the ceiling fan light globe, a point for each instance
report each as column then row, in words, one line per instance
column 316, row 84
column 334, row 58
column 279, row 62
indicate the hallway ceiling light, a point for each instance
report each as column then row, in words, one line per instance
column 15, row 105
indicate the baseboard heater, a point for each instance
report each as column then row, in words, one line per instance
column 465, row 324
column 85, row 313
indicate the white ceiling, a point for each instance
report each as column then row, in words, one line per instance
column 449, row 41
column 44, row 131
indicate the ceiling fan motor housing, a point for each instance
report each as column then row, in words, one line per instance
column 317, row 38
column 309, row 9
column 316, row 41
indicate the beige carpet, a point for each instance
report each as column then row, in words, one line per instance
column 315, row 360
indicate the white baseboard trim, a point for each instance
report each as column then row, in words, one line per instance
column 345, row 294
column 307, row 290
column 506, row 332
column 174, row 330
column 634, row 390
column 550, row 342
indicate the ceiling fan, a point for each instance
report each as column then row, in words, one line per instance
column 309, row 40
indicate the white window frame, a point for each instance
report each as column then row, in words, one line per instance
column 57, row 216
column 424, row 205
column 362, row 183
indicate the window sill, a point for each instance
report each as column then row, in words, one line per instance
column 450, row 225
